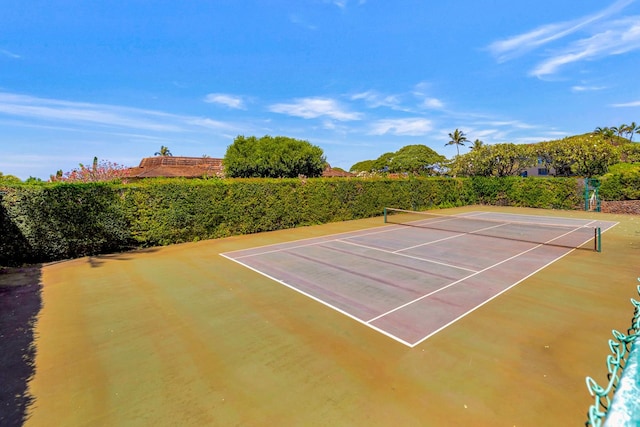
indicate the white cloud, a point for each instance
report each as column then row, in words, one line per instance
column 587, row 88
column 107, row 116
column 342, row 4
column 10, row 54
column 604, row 37
column 311, row 108
column 433, row 103
column 514, row 46
column 375, row 99
column 627, row 104
column 231, row 101
column 618, row 37
column 410, row 126
column 298, row 20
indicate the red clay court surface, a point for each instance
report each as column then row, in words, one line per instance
column 409, row 282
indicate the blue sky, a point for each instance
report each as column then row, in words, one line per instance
column 118, row 79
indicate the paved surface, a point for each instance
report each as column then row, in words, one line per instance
column 411, row 282
column 182, row 336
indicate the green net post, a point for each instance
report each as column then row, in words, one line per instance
column 385, row 215
column 598, row 239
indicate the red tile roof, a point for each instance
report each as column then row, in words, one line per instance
column 174, row 167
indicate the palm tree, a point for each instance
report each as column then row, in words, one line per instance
column 606, row 132
column 620, row 129
column 631, row 129
column 164, row 151
column 458, row 138
column 477, row 144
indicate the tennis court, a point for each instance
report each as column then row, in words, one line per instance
column 422, row 272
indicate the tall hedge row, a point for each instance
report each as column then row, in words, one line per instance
column 621, row 183
column 57, row 221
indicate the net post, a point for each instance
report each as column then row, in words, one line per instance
column 385, row 215
column 598, row 239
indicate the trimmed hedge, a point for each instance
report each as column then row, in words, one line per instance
column 49, row 222
column 52, row 222
column 621, row 183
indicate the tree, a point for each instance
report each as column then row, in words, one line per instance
column 363, row 166
column 9, row 179
column 477, row 144
column 631, row 129
column 495, row 160
column 99, row 171
column 383, row 163
column 416, row 159
column 591, row 156
column 273, row 157
column 605, row 132
column 458, row 138
column 619, row 130
column 164, row 151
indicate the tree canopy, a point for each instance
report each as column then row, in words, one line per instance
column 494, row 160
column 273, row 157
column 164, row 151
column 581, row 155
column 457, row 138
column 415, row 159
column 8, row 179
column 363, row 166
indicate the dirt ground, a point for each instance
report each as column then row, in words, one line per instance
column 183, row 336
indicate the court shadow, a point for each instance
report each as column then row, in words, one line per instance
column 96, row 261
column 20, row 304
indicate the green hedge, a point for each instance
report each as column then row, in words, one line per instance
column 48, row 222
column 51, row 222
column 621, row 183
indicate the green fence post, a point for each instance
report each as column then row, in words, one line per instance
column 586, row 194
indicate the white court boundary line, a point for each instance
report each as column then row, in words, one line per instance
column 330, row 239
column 339, row 310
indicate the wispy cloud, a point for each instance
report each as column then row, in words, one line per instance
column 311, row 108
column 231, row 101
column 410, row 127
column 342, row 4
column 421, row 91
column 618, row 37
column 587, row 88
column 374, row 99
column 302, row 22
column 9, row 54
column 433, row 103
column 522, row 43
column 626, row 104
column 604, row 36
column 87, row 114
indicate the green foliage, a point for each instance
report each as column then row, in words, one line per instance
column 498, row 160
column 560, row 193
column 57, row 221
column 586, row 155
column 51, row 221
column 457, row 138
column 363, row 166
column 9, row 179
column 273, row 157
column 621, row 183
column 413, row 159
column 630, row 152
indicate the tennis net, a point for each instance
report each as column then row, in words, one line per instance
column 567, row 236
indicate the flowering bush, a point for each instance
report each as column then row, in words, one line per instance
column 99, row 171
